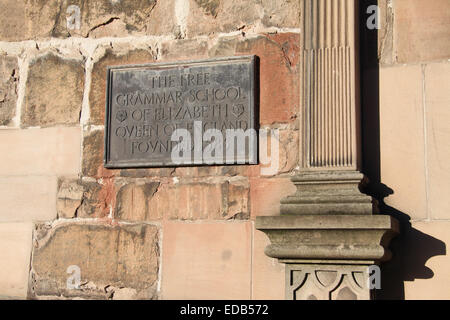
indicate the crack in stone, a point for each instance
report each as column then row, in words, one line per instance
column 58, row 15
column 286, row 57
column 75, row 215
column 109, row 21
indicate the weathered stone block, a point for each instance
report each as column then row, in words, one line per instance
column 133, row 202
column 279, row 55
column 93, row 149
column 85, row 199
column 125, row 256
column 132, row 16
column 185, row 49
column 9, row 79
column 386, row 32
column 98, row 82
column 162, row 20
column 215, row 16
column 224, row 46
column 194, row 200
column 69, row 198
column 281, row 14
column 22, row 20
column 54, row 92
column 207, row 17
column 15, row 251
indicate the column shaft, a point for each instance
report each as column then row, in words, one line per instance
column 329, row 92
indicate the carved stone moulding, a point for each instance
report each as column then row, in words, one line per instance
column 327, row 192
column 326, row 282
column 352, row 239
column 327, row 256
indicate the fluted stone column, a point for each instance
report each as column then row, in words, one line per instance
column 326, row 233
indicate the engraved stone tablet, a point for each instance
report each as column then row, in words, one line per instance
column 183, row 113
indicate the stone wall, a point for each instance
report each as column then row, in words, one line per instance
column 189, row 232
column 414, row 84
column 135, row 233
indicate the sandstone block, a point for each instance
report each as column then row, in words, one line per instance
column 162, row 19
column 201, row 200
column 208, row 17
column 23, row 20
column 133, row 202
column 93, row 151
column 422, row 31
column 93, row 148
column 185, row 49
column 84, row 199
column 386, row 53
column 266, row 193
column 9, row 79
column 215, row 260
column 125, row 256
column 54, row 92
column 437, row 93
column 98, row 82
column 401, row 122
column 268, row 281
column 27, row 198
column 69, row 197
column 15, row 251
column 279, row 55
column 108, row 18
column 50, row 151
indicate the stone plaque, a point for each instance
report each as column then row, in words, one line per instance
column 182, row 113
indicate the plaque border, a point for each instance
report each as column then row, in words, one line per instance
column 254, row 81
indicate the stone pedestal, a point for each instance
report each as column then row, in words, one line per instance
column 328, row 256
column 326, row 233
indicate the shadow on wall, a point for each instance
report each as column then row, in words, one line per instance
column 412, row 248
